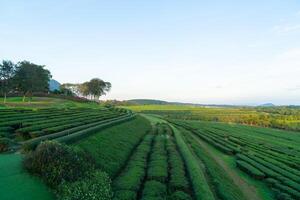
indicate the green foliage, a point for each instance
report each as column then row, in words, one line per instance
column 265, row 154
column 95, row 186
column 7, row 72
column 84, row 133
column 199, row 184
column 31, row 78
column 98, row 87
column 125, row 195
column 222, row 183
column 154, row 190
column 56, row 163
column 133, row 175
column 111, row 147
column 158, row 165
column 5, row 144
column 69, row 125
column 178, row 179
column 254, row 172
column 179, row 195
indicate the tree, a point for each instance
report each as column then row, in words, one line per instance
column 84, row 89
column 7, row 71
column 31, row 78
column 68, row 89
column 98, row 87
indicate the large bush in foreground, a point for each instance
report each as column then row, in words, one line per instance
column 55, row 163
column 96, row 186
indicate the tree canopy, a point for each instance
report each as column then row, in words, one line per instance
column 31, row 78
column 93, row 89
column 24, row 77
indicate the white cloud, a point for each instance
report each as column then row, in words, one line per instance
column 286, row 28
column 296, row 88
column 291, row 57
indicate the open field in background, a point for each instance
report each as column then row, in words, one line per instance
column 285, row 117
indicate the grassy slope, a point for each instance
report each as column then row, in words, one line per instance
column 16, row 184
column 112, row 147
column 42, row 102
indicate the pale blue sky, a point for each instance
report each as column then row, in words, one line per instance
column 233, row 52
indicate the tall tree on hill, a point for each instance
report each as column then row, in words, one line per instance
column 7, row 71
column 69, row 89
column 84, row 89
column 31, row 78
column 98, row 87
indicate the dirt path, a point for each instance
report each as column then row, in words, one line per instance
column 249, row 191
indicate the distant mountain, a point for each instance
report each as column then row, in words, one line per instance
column 267, row 105
column 54, row 85
column 147, row 102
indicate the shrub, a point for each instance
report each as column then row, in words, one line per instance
column 180, row 196
column 178, row 179
column 125, row 195
column 96, row 186
column 56, row 163
column 134, row 173
column 154, row 189
column 5, row 144
column 200, row 186
column 249, row 169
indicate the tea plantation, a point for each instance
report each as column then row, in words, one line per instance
column 112, row 153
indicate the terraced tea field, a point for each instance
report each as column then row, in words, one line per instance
column 28, row 127
column 267, row 155
column 149, row 157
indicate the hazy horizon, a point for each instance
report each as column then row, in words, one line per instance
column 216, row 52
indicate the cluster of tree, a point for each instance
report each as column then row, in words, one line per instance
column 27, row 78
column 23, row 78
column 92, row 89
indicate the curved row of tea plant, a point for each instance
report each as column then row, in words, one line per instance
column 29, row 127
column 223, row 185
column 257, row 152
column 155, row 170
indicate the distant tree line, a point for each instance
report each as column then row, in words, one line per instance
column 26, row 79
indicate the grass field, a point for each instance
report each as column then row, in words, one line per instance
column 17, row 184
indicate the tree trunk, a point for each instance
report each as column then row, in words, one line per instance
column 4, row 97
column 30, row 97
